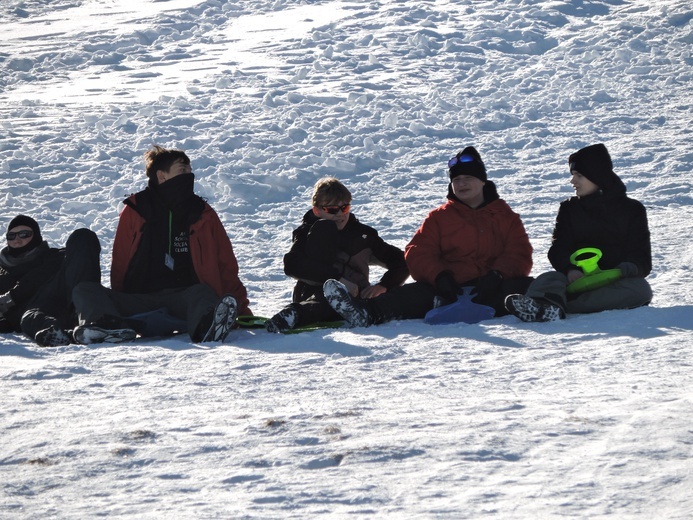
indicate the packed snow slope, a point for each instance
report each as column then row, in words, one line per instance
column 590, row 417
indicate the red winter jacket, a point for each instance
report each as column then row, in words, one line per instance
column 212, row 254
column 470, row 243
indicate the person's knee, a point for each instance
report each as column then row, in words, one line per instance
column 552, row 277
column 86, row 289
column 27, row 318
column 83, row 237
column 640, row 290
column 201, row 292
column 321, row 231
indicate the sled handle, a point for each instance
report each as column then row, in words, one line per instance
column 589, row 264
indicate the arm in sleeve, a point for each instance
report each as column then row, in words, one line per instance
column 228, row 269
column 516, row 258
column 392, row 258
column 126, row 238
column 423, row 254
column 562, row 242
column 313, row 252
column 638, row 242
column 30, row 283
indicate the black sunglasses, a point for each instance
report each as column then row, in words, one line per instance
column 333, row 210
column 24, row 233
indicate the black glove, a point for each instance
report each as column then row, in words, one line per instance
column 6, row 302
column 487, row 286
column 446, row 286
column 628, row 269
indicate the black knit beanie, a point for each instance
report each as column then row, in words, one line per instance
column 467, row 162
column 594, row 162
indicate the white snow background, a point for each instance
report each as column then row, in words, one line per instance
column 590, row 417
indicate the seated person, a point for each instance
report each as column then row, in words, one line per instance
column 600, row 216
column 473, row 240
column 36, row 281
column 170, row 251
column 332, row 243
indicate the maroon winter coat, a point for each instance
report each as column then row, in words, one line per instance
column 470, row 242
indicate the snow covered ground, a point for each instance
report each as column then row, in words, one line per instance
column 591, row 417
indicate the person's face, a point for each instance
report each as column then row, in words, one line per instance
column 468, row 189
column 16, row 242
column 176, row 169
column 581, row 184
column 337, row 212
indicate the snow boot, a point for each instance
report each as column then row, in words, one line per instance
column 223, row 318
column 90, row 334
column 52, row 337
column 282, row 321
column 532, row 309
column 351, row 309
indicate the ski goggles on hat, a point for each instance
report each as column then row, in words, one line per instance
column 333, row 210
column 461, row 159
column 24, row 233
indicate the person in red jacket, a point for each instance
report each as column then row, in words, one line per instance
column 473, row 240
column 170, row 252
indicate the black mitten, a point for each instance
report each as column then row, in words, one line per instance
column 6, row 302
column 487, row 286
column 628, row 269
column 446, row 286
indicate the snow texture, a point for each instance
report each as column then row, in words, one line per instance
column 589, row 417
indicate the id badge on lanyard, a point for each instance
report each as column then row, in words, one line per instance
column 168, row 260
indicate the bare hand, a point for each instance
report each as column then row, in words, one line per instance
column 574, row 274
column 373, row 291
column 6, row 302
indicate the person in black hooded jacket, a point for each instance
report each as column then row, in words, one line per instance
column 36, row 281
column 332, row 243
column 600, row 216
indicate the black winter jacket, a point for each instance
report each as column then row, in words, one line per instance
column 607, row 220
column 320, row 252
column 23, row 276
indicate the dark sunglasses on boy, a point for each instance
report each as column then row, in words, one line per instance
column 24, row 233
column 333, row 210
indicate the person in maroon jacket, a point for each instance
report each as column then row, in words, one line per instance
column 170, row 252
column 473, row 240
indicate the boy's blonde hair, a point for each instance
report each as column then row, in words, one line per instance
column 328, row 191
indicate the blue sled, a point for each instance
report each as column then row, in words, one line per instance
column 463, row 310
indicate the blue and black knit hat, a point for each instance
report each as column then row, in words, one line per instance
column 467, row 162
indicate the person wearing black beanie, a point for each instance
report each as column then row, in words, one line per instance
column 594, row 163
column 474, row 240
column 36, row 281
column 26, row 263
column 467, row 162
column 600, row 216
